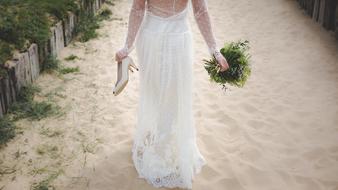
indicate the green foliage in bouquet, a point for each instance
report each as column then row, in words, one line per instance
column 239, row 68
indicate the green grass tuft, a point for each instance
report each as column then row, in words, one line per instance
column 50, row 64
column 7, row 130
column 5, row 52
column 27, row 93
column 71, row 58
column 105, row 14
column 26, row 107
column 46, row 183
column 110, row 2
column 22, row 21
column 86, row 28
column 67, row 70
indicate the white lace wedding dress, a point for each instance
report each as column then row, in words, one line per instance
column 165, row 152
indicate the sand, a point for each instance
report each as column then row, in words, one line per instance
column 278, row 132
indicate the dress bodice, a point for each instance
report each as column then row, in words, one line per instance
column 177, row 15
column 173, row 10
column 167, row 8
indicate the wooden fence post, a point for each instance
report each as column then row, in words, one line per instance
column 336, row 21
column 316, row 10
column 52, row 43
column 68, row 28
column 60, row 42
column 309, row 7
column 329, row 15
column 321, row 12
column 34, row 61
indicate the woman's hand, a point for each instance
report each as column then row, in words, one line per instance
column 222, row 62
column 119, row 55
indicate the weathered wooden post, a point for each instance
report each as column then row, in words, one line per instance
column 321, row 12
column 316, row 7
column 60, row 42
column 57, row 42
column 52, row 43
column 5, row 85
column 68, row 27
column 22, row 70
column 329, row 15
column 43, row 52
column 34, row 61
column 336, row 21
column 309, row 7
column 21, row 65
column 3, row 109
column 3, row 95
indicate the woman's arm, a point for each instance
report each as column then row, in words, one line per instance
column 202, row 18
column 135, row 20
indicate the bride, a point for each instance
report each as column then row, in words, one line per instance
column 164, row 151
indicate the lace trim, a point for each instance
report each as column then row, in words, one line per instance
column 169, row 176
column 215, row 52
column 172, row 180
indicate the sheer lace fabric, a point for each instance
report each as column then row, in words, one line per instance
column 165, row 151
column 165, row 9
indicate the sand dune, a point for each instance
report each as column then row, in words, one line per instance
column 278, row 132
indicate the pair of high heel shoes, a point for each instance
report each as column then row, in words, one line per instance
column 123, row 68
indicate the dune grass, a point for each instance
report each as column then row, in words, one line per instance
column 46, row 183
column 71, row 58
column 25, row 108
column 86, row 28
column 52, row 64
column 7, row 130
column 67, row 70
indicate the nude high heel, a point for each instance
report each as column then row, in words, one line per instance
column 123, row 74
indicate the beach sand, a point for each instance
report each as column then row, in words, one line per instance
column 279, row 132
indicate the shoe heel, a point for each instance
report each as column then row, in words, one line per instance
column 129, row 67
column 132, row 64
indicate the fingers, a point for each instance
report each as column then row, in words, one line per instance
column 119, row 56
column 225, row 67
column 222, row 64
column 218, row 69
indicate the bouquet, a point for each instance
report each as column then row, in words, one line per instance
column 239, row 68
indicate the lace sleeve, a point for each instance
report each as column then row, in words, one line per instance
column 135, row 20
column 202, row 18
